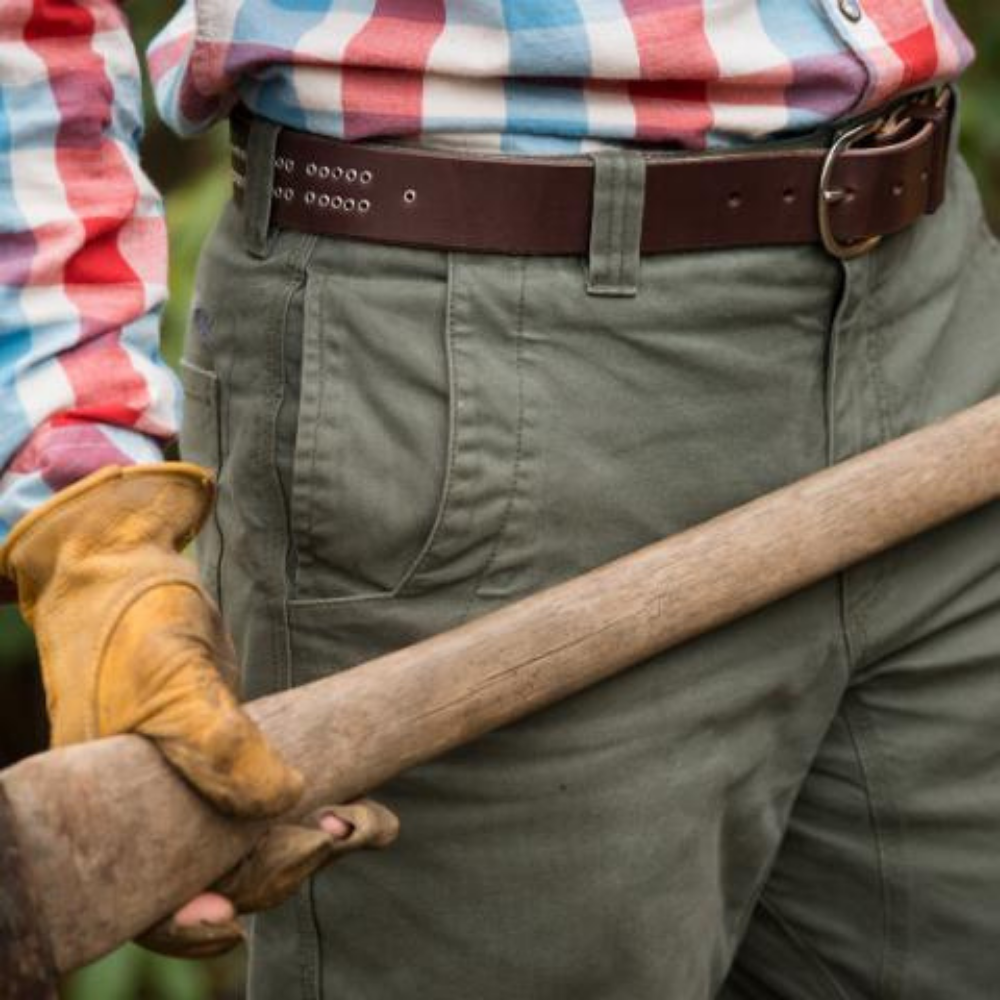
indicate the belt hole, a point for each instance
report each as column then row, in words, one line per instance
column 310, row 197
column 364, row 205
column 735, row 200
column 338, row 172
column 366, row 177
column 324, row 172
column 310, row 170
column 349, row 204
column 324, row 200
column 351, row 176
column 409, row 196
column 789, row 196
column 337, row 204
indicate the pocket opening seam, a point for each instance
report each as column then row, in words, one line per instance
column 302, row 507
column 481, row 588
column 446, row 492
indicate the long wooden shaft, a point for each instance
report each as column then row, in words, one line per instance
column 116, row 840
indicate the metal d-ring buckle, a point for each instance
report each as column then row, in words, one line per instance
column 829, row 196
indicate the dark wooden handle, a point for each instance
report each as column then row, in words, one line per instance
column 116, row 840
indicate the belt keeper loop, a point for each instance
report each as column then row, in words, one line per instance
column 616, row 223
column 946, row 149
column 262, row 143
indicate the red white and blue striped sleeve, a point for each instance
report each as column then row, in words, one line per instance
column 83, row 255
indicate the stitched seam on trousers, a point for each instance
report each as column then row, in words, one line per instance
column 424, row 557
column 856, row 625
column 853, row 632
column 518, row 451
column 805, row 949
column 632, row 225
column 863, row 740
column 307, row 921
column 299, row 266
column 297, row 270
column 222, row 438
column 874, row 350
column 307, row 431
column 191, row 376
column 223, row 423
column 618, row 227
column 832, row 360
column 855, row 615
column 611, row 199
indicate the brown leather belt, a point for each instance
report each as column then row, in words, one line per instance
column 874, row 179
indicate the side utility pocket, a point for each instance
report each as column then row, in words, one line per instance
column 200, row 442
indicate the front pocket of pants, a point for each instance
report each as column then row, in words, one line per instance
column 371, row 449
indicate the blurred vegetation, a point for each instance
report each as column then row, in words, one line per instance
column 132, row 973
column 194, row 178
column 981, row 99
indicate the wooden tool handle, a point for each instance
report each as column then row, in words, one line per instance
column 116, row 839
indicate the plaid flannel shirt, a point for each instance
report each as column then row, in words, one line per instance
column 82, row 240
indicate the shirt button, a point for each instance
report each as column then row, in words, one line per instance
column 851, row 9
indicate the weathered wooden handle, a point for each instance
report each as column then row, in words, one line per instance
column 116, row 839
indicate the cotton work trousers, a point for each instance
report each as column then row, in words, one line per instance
column 804, row 805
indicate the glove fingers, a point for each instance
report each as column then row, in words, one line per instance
column 180, row 699
column 283, row 858
column 196, row 941
column 372, row 824
column 287, row 855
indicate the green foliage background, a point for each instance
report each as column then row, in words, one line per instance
column 194, row 178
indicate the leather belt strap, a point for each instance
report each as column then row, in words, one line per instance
column 535, row 205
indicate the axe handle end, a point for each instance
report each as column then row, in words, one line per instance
column 26, row 963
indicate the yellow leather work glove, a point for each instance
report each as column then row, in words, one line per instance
column 129, row 641
column 285, row 856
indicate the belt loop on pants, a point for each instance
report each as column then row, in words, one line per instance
column 258, row 184
column 616, row 222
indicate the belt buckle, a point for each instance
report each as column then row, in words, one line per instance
column 829, row 195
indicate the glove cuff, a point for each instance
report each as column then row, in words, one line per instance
column 115, row 508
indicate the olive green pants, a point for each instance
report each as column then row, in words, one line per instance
column 804, row 805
